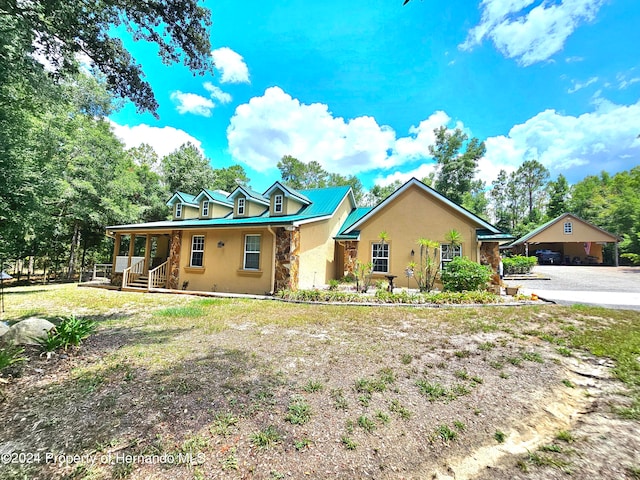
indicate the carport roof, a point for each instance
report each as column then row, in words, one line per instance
column 543, row 227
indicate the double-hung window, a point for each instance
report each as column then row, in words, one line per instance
column 568, row 228
column 251, row 252
column 205, row 208
column 277, row 204
column 448, row 252
column 197, row 250
column 178, row 210
column 380, row 257
column 241, row 206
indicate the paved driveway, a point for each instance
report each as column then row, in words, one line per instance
column 604, row 286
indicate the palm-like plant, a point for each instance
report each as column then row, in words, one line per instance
column 426, row 272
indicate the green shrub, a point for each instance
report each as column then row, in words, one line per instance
column 71, row 331
column 462, row 274
column 10, row 356
column 518, row 264
column 634, row 258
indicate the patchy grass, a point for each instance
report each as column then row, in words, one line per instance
column 266, row 437
column 263, row 387
column 299, row 412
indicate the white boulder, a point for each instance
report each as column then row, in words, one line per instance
column 28, row 332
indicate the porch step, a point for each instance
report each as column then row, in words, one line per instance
column 141, row 282
column 132, row 288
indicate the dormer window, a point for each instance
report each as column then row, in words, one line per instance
column 277, row 204
column 178, row 210
column 241, row 206
column 205, row 208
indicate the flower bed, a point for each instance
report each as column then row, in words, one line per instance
column 400, row 297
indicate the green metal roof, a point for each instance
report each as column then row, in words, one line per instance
column 325, row 201
column 184, row 198
column 217, row 196
column 250, row 194
column 288, row 191
column 484, row 234
column 355, row 215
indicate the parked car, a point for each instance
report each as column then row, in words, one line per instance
column 548, row 256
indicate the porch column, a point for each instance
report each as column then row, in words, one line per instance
column 287, row 261
column 116, row 251
column 132, row 248
column 174, row 260
column 490, row 255
column 350, row 256
column 147, row 254
column 116, row 278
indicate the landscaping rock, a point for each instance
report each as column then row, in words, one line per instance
column 27, row 332
column 4, row 328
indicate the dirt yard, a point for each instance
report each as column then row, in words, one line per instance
column 171, row 387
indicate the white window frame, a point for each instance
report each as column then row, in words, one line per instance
column 382, row 248
column 205, row 208
column 178, row 210
column 197, row 246
column 450, row 254
column 251, row 252
column 278, row 204
column 241, row 206
column 568, row 228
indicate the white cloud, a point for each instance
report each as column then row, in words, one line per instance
column 164, row 140
column 192, row 103
column 262, row 131
column 530, row 35
column 231, row 66
column 416, row 145
column 580, row 85
column 421, row 172
column 624, row 82
column 216, row 93
column 601, row 140
column 275, row 124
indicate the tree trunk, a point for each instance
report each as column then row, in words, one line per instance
column 84, row 253
column 30, row 269
column 75, row 244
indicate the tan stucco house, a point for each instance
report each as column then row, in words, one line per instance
column 250, row 242
column 578, row 241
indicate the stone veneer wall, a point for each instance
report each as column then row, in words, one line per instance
column 287, row 262
column 490, row 255
column 116, row 279
column 174, row 259
column 350, row 256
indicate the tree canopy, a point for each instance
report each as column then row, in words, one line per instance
column 300, row 175
column 60, row 33
column 456, row 169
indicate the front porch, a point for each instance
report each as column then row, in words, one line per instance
column 145, row 265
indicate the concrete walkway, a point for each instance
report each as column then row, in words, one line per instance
column 609, row 287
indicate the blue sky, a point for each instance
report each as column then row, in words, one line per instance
column 359, row 86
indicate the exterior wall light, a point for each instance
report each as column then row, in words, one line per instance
column 220, row 244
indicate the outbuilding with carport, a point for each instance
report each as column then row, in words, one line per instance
column 578, row 241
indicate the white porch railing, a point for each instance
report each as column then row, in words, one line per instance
column 101, row 270
column 158, row 276
column 131, row 273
